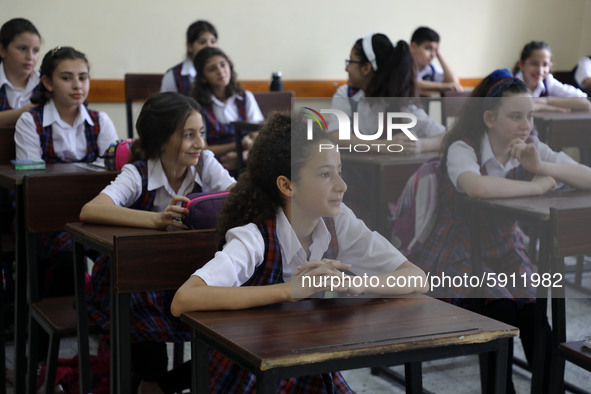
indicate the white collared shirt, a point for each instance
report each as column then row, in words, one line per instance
column 583, row 71
column 168, row 83
column 368, row 114
column 555, row 88
column 126, row 189
column 18, row 97
column 69, row 142
column 431, row 72
column 462, row 158
column 367, row 251
column 228, row 112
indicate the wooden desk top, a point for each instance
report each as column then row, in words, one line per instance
column 387, row 158
column 578, row 115
column 537, row 207
column 9, row 177
column 317, row 330
column 103, row 234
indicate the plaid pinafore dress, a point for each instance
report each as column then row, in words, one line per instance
column 228, row 377
column 151, row 319
column 502, row 245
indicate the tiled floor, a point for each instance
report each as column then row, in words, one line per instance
column 458, row 375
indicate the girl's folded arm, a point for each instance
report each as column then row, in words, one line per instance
column 102, row 210
column 484, row 186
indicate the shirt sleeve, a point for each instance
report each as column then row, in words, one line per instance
column 168, row 84
column 253, row 112
column 367, row 251
column 340, row 101
column 214, row 176
column 583, row 71
column 108, row 133
column 438, row 74
column 28, row 144
column 548, row 155
column 559, row 89
column 461, row 158
column 126, row 188
column 426, row 127
column 237, row 261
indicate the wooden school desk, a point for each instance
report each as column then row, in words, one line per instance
column 141, row 260
column 563, row 221
column 560, row 130
column 64, row 188
column 322, row 335
column 374, row 180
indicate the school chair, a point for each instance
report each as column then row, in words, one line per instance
column 7, row 247
column 50, row 202
column 268, row 102
column 451, row 105
column 567, row 243
column 165, row 262
column 564, row 77
column 138, row 87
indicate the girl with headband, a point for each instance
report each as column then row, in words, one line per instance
column 378, row 70
column 490, row 153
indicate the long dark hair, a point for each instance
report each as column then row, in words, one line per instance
column 50, row 62
column 13, row 28
column 256, row 197
column 202, row 92
column 395, row 76
column 161, row 116
column 470, row 124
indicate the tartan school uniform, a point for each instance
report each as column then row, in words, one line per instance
column 13, row 98
column 271, row 253
column 151, row 319
column 218, row 116
column 179, row 78
column 502, row 242
column 228, row 377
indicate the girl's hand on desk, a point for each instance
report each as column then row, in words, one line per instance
column 173, row 214
column 541, row 104
column 544, row 182
column 313, row 273
column 409, row 146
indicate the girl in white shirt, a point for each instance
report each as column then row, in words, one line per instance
column 168, row 162
column 382, row 79
column 223, row 101
column 61, row 128
column 533, row 67
column 180, row 78
column 275, row 236
column 20, row 43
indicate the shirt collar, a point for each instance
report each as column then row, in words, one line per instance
column 538, row 90
column 187, row 68
column 291, row 246
column 51, row 116
column 487, row 157
column 157, row 177
column 32, row 82
column 230, row 100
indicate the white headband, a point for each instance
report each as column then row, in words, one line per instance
column 368, row 50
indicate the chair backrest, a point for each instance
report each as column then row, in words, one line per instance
column 138, row 87
column 51, row 201
column 451, row 104
column 576, row 243
column 7, row 146
column 167, row 259
column 564, row 77
column 274, row 101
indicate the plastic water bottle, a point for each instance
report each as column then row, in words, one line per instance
column 276, row 82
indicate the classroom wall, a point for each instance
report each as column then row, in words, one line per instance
column 304, row 39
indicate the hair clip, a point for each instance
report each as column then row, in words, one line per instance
column 55, row 50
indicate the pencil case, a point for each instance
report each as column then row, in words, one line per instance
column 203, row 209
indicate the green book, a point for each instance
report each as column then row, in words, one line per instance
column 23, row 165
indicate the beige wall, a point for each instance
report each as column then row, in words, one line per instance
column 306, row 39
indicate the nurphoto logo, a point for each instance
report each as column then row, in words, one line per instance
column 392, row 124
